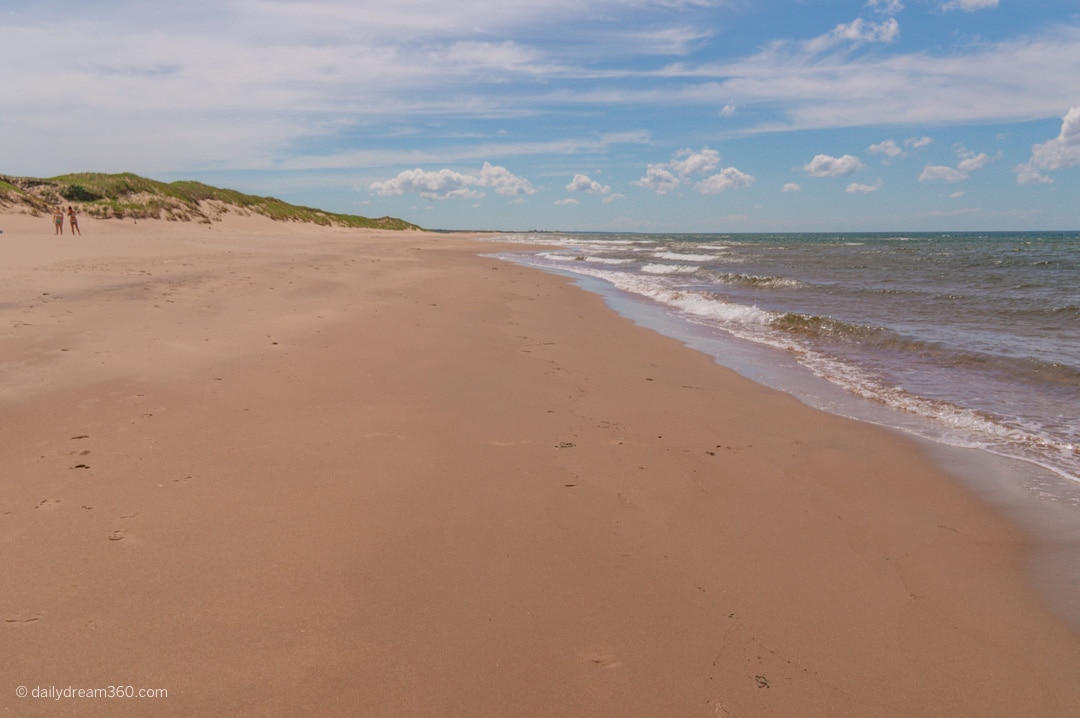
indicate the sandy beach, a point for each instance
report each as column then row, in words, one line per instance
column 277, row 469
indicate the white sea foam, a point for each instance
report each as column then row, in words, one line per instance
column 669, row 269
column 538, row 239
column 607, row 260
column 956, row 425
column 593, row 245
column 680, row 257
column 724, row 312
column 699, row 304
column 785, row 282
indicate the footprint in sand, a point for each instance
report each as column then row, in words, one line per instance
column 744, row 665
column 601, row 659
column 84, row 452
column 21, row 621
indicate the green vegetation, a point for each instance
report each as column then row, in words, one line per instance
column 78, row 193
column 129, row 196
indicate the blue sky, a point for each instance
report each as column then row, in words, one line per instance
column 610, row 115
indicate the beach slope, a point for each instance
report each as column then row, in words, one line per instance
column 278, row 469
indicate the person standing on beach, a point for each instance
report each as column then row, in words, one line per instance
column 74, row 221
column 58, row 220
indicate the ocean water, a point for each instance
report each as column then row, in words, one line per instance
column 967, row 339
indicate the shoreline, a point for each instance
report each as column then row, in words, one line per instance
column 1037, row 498
column 383, row 473
column 767, row 312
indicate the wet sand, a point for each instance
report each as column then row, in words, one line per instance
column 278, row 469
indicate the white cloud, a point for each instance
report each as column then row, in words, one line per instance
column 729, row 110
column 1061, row 152
column 1027, row 174
column 969, row 163
column 864, row 188
column 792, row 187
column 443, row 184
column 728, row 178
column 857, row 31
column 669, row 176
column 447, row 184
column 860, row 30
column 973, row 162
column 299, row 75
column 613, row 197
column 473, row 56
column 503, row 181
column 969, row 5
column 1013, row 80
column 582, row 183
column 941, row 172
column 826, row 166
column 889, row 148
column 956, row 195
column 886, row 7
column 659, row 179
column 688, row 162
column 463, row 152
column 565, row 202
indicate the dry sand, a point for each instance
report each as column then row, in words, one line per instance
column 283, row 470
